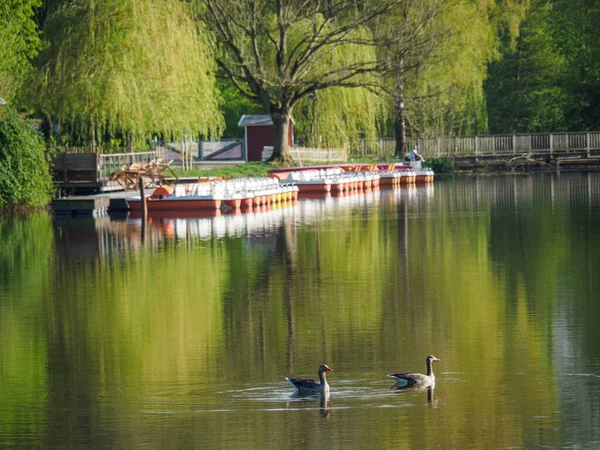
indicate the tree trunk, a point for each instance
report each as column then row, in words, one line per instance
column 49, row 128
column 129, row 142
column 92, row 137
column 400, row 123
column 281, row 149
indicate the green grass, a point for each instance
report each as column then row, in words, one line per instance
column 260, row 169
column 252, row 169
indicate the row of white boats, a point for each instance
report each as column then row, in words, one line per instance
column 281, row 186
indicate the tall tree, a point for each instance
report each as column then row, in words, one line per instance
column 441, row 88
column 525, row 90
column 416, row 36
column 279, row 52
column 576, row 31
column 19, row 42
column 133, row 67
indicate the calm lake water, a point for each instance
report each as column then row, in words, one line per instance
column 181, row 335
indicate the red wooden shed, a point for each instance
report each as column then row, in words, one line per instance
column 258, row 133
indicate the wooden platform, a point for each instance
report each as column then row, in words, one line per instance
column 94, row 205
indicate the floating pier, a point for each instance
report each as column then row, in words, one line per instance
column 82, row 205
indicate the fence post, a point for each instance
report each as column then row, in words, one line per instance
column 514, row 144
column 551, row 145
column 587, row 143
column 476, row 148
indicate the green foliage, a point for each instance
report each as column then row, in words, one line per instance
column 335, row 116
column 332, row 117
column 444, row 90
column 280, row 53
column 574, row 25
column 252, row 169
column 24, row 173
column 130, row 68
column 525, row 90
column 19, row 41
column 234, row 105
column 440, row 165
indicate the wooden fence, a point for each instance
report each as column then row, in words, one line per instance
column 111, row 163
column 302, row 154
column 224, row 149
column 493, row 145
column 87, row 171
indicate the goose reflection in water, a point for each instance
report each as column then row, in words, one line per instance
column 323, row 399
column 431, row 401
column 325, row 411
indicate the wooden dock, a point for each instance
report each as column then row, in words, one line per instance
column 93, row 205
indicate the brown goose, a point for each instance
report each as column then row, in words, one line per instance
column 304, row 386
column 417, row 379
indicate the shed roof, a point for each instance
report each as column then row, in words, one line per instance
column 256, row 120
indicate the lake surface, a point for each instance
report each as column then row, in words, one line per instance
column 180, row 334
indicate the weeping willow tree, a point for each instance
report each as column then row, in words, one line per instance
column 414, row 35
column 19, row 42
column 332, row 117
column 128, row 68
column 278, row 53
column 440, row 88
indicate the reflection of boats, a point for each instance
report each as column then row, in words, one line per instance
column 264, row 222
column 217, row 224
column 242, row 192
column 167, row 213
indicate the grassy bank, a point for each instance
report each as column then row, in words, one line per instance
column 260, row 169
column 252, row 169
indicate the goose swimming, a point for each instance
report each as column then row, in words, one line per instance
column 417, row 379
column 304, row 386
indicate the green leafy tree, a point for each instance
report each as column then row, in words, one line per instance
column 415, row 31
column 24, row 173
column 19, row 42
column 128, row 67
column 280, row 52
column 439, row 89
column 234, row 106
column 576, row 31
column 333, row 117
column 525, row 90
